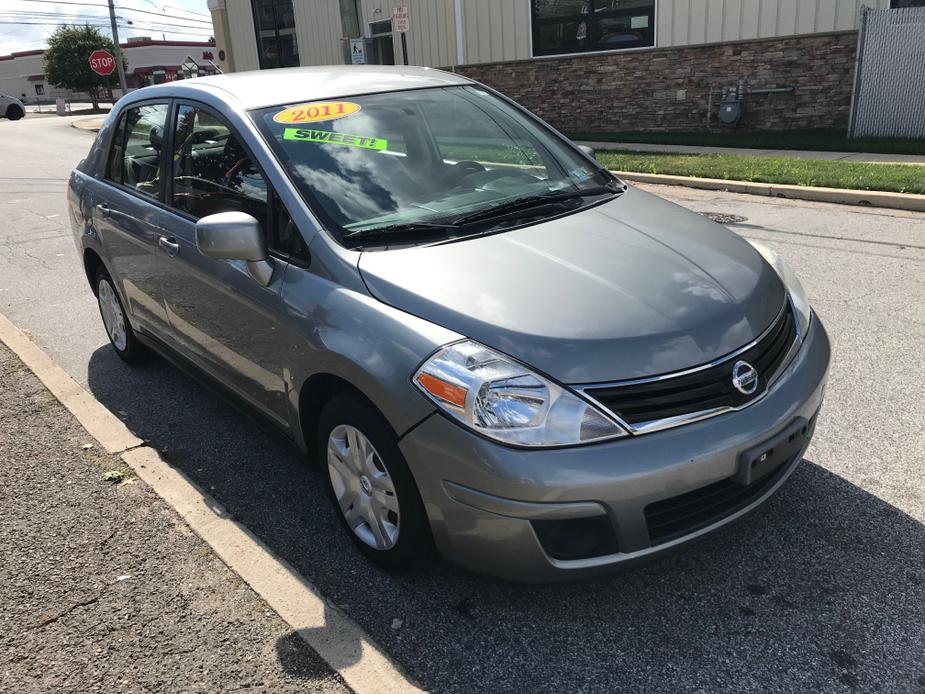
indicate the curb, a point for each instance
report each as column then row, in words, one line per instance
column 330, row 632
column 803, row 154
column 86, row 125
column 866, row 198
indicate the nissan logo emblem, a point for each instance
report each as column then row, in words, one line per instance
column 744, row 377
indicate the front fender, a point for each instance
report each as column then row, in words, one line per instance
column 346, row 333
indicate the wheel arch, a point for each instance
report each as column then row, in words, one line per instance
column 318, row 390
column 92, row 264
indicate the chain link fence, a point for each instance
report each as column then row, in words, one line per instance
column 889, row 88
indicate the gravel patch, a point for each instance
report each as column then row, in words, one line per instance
column 103, row 588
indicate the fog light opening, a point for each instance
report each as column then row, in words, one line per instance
column 577, row 538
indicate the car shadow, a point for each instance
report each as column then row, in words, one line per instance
column 821, row 590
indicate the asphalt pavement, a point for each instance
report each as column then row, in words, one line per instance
column 103, row 588
column 823, row 590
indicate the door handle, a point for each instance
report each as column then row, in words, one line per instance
column 103, row 209
column 170, row 245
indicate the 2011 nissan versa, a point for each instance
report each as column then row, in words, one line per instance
column 491, row 344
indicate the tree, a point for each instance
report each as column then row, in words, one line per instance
column 67, row 60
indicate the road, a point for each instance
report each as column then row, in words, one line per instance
column 823, row 590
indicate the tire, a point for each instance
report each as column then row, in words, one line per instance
column 118, row 329
column 14, row 112
column 389, row 492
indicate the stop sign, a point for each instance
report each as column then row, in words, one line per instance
column 102, row 62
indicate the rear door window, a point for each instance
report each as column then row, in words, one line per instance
column 135, row 158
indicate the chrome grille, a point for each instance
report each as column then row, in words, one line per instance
column 662, row 401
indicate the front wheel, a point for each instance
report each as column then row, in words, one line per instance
column 14, row 112
column 371, row 486
column 118, row 329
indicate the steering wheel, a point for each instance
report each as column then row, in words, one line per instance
column 234, row 170
column 468, row 166
column 218, row 187
column 497, row 174
column 460, row 170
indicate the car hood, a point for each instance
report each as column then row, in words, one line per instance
column 635, row 287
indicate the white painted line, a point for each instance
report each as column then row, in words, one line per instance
column 324, row 627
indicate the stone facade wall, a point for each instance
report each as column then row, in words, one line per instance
column 667, row 89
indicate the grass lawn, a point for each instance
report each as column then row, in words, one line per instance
column 821, row 139
column 897, row 178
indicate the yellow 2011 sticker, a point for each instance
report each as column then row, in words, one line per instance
column 317, row 112
column 332, row 138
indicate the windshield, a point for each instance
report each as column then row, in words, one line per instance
column 423, row 159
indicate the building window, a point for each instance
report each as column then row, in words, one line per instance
column 899, row 4
column 40, row 90
column 274, row 23
column 582, row 26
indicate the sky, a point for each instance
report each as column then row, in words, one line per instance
column 26, row 24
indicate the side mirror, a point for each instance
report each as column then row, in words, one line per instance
column 588, row 151
column 235, row 236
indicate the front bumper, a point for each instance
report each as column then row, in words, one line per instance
column 485, row 501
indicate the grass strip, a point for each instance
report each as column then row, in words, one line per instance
column 817, row 139
column 896, row 178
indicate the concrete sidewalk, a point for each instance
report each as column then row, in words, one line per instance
column 105, row 588
column 793, row 153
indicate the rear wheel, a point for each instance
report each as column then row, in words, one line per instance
column 371, row 486
column 14, row 112
column 121, row 336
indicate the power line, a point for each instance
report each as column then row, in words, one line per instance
column 66, row 18
column 155, row 29
column 97, row 4
column 121, row 8
column 174, row 7
column 56, row 20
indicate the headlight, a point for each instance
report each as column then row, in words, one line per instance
column 791, row 282
column 502, row 399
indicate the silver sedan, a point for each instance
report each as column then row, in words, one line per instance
column 491, row 346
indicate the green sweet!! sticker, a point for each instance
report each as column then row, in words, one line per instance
column 329, row 138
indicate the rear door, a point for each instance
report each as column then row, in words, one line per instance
column 220, row 317
column 127, row 211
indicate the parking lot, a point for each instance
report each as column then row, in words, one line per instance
column 822, row 590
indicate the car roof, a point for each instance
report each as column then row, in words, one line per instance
column 261, row 88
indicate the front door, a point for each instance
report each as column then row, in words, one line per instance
column 220, row 317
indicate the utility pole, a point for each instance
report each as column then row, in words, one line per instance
column 115, row 47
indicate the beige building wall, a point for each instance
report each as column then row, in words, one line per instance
column 318, row 31
column 243, row 40
column 685, row 22
column 431, row 40
column 447, row 32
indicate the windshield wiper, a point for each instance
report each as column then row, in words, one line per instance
column 525, row 203
column 409, row 228
column 505, row 208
